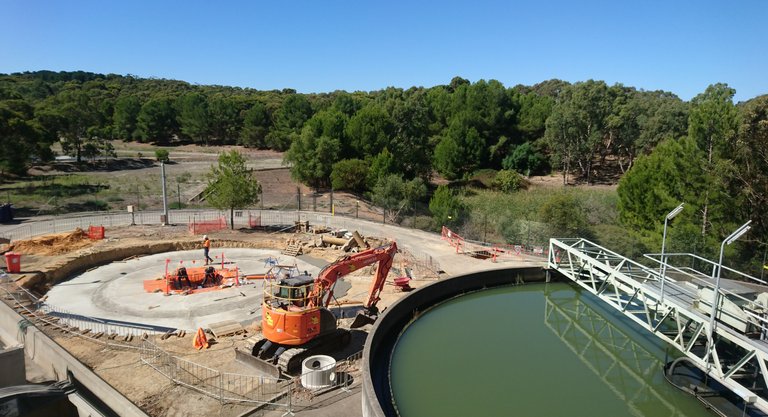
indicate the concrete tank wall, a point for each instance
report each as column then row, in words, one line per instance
column 12, row 365
column 60, row 364
column 377, row 400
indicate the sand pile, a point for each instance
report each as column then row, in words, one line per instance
column 53, row 244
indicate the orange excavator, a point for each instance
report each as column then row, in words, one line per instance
column 296, row 322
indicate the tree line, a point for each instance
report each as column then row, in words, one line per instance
column 709, row 152
column 451, row 129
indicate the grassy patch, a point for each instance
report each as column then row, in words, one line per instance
column 516, row 217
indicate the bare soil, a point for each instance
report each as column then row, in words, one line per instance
column 122, row 368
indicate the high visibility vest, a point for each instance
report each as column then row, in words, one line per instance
column 206, row 243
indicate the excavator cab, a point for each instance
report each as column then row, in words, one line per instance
column 292, row 291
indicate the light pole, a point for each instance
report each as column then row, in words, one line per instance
column 730, row 239
column 669, row 217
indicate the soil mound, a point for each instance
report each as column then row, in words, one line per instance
column 53, row 244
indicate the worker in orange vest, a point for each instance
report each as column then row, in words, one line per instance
column 206, row 249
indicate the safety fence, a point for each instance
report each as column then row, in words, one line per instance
column 224, row 386
column 493, row 251
column 228, row 387
column 197, row 227
column 47, row 317
column 242, row 219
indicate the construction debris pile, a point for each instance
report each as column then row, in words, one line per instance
column 53, row 244
column 307, row 238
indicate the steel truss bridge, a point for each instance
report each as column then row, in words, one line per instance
column 731, row 349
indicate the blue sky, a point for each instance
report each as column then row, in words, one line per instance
column 320, row 46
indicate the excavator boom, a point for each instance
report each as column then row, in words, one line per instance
column 321, row 296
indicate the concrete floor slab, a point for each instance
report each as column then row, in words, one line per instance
column 115, row 292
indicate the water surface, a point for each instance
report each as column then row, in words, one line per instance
column 534, row 350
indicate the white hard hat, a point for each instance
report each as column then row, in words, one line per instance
column 205, row 237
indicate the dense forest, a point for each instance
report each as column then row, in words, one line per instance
column 710, row 152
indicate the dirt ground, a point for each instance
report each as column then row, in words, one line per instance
column 123, row 369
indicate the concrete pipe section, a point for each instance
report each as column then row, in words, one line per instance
column 114, row 293
column 318, row 371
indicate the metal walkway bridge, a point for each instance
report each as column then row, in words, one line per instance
column 731, row 349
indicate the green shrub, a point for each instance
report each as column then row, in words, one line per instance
column 507, row 181
column 162, row 155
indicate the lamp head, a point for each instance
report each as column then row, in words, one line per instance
column 738, row 233
column 675, row 212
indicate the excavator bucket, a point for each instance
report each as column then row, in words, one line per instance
column 362, row 319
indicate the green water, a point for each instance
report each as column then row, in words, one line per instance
column 533, row 350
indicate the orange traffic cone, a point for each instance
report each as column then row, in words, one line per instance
column 200, row 341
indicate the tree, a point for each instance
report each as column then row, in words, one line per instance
column 256, row 125
column 289, row 121
column 461, row 150
column 526, row 159
column 398, row 196
column 532, row 115
column 231, row 184
column 576, row 129
column 369, row 131
column 19, row 136
column 750, row 161
column 446, row 208
column 349, row 174
column 162, row 155
column 75, row 118
column 314, row 152
column 713, row 124
column 125, row 116
column 224, row 122
column 157, row 121
column 193, row 117
column 657, row 183
column 380, row 166
column 411, row 120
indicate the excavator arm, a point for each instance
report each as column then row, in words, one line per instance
column 321, row 294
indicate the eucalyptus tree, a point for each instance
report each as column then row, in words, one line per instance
column 231, row 184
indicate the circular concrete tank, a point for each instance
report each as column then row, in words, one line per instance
column 475, row 344
column 318, row 371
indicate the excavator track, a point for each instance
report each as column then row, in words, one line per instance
column 289, row 362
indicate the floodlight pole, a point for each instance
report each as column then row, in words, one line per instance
column 671, row 215
column 165, row 194
column 715, row 298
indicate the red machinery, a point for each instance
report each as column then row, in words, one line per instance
column 295, row 320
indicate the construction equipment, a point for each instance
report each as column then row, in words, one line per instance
column 296, row 322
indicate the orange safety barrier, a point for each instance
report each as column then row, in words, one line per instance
column 195, row 277
column 254, row 221
column 493, row 251
column 96, row 232
column 204, row 226
column 201, row 341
